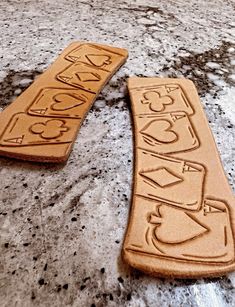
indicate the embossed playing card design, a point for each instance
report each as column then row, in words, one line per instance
column 60, row 102
column 166, row 133
column 176, row 228
column 51, row 110
column 178, row 234
column 83, row 76
column 170, row 180
column 26, row 130
column 161, row 99
column 95, row 56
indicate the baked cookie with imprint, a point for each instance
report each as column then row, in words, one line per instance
column 181, row 221
column 42, row 123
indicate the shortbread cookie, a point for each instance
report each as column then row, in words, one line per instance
column 181, row 222
column 42, row 123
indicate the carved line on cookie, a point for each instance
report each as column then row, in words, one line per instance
column 195, row 256
column 229, row 214
column 39, row 143
column 149, row 254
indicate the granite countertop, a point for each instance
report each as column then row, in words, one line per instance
column 62, row 226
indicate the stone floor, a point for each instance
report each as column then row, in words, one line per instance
column 62, row 227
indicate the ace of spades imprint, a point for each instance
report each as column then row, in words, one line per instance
column 201, row 236
column 27, row 130
column 170, row 180
column 83, row 76
column 60, row 102
column 166, row 133
column 95, row 56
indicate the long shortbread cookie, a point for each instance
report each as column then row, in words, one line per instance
column 42, row 123
column 181, row 221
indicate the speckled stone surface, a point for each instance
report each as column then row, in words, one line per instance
column 62, row 226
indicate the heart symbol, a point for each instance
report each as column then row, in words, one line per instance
column 159, row 131
column 174, row 226
column 65, row 101
column 99, row 60
column 157, row 102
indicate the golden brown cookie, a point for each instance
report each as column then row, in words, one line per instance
column 182, row 219
column 42, row 123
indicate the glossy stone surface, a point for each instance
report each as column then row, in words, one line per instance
column 62, row 226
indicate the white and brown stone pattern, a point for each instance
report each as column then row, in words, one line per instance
column 62, row 226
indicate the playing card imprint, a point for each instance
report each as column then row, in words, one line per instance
column 176, row 227
column 169, row 180
column 166, row 133
column 177, row 234
column 96, row 55
column 161, row 98
column 61, row 102
column 27, row 130
column 51, row 110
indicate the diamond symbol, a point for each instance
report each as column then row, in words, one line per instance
column 161, row 177
column 88, row 76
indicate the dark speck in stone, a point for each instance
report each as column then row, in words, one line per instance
column 85, row 279
column 26, row 244
column 128, row 296
column 73, row 219
column 33, row 296
column 65, row 286
column 25, row 185
column 6, row 245
column 41, row 281
column 120, row 279
column 82, row 287
column 102, row 270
